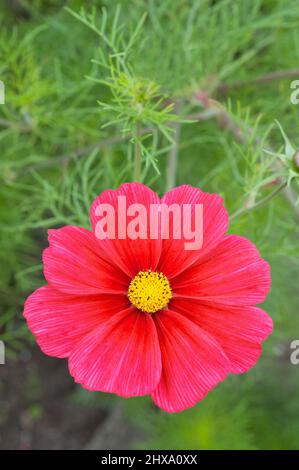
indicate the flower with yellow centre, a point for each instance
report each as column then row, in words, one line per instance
column 149, row 291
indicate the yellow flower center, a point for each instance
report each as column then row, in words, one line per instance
column 149, row 291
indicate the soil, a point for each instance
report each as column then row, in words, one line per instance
column 36, row 411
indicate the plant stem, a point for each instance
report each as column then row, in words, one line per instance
column 242, row 134
column 137, row 157
column 174, row 153
column 260, row 203
column 110, row 141
column 277, row 75
column 173, row 159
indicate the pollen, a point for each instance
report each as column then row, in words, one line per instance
column 149, row 291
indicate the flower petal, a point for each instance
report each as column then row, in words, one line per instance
column 131, row 255
column 233, row 274
column 238, row 330
column 192, row 362
column 175, row 257
column 73, row 264
column 121, row 356
column 59, row 321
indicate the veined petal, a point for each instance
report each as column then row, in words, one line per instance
column 73, row 264
column 233, row 274
column 121, row 356
column 238, row 330
column 192, row 362
column 131, row 255
column 59, row 321
column 175, row 257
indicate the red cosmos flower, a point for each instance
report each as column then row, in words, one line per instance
column 147, row 316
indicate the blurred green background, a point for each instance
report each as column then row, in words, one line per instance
column 198, row 88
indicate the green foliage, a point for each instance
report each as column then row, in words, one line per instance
column 94, row 91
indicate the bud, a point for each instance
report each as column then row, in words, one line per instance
column 296, row 161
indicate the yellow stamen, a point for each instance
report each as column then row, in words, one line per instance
column 149, row 291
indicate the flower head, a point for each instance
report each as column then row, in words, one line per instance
column 138, row 315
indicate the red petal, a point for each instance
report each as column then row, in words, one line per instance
column 192, row 362
column 233, row 274
column 238, row 330
column 74, row 265
column 131, row 255
column 175, row 257
column 121, row 356
column 59, row 321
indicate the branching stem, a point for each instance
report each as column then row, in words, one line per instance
column 259, row 203
column 137, row 153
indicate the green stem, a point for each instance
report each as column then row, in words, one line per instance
column 260, row 203
column 172, row 163
column 137, row 154
column 173, row 156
